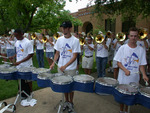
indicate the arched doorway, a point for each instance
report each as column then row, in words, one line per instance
column 87, row 27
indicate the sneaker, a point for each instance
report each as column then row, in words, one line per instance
column 71, row 107
column 65, row 106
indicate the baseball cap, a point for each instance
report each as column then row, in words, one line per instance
column 66, row 24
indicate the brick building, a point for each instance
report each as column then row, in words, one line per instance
column 90, row 22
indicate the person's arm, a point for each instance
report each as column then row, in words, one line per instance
column 62, row 68
column 146, row 44
column 115, row 44
column 90, row 47
column 51, row 43
column 23, row 60
column 142, row 69
column 104, row 44
column 55, row 59
column 8, row 41
column 127, row 72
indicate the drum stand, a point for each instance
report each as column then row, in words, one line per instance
column 29, row 97
column 61, row 104
column 18, row 99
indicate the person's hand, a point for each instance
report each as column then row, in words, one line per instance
column 52, row 66
column 62, row 68
column 104, row 42
column 11, row 57
column 127, row 72
column 17, row 63
column 146, row 79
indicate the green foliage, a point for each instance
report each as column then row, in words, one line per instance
column 33, row 15
column 129, row 9
column 99, row 28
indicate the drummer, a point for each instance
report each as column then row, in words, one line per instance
column 130, row 58
column 24, row 54
column 67, row 47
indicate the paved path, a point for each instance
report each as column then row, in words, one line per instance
column 83, row 103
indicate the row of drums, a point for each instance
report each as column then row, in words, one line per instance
column 126, row 94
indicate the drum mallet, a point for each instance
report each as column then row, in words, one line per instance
column 56, row 63
column 3, row 57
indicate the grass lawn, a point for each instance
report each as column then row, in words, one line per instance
column 9, row 88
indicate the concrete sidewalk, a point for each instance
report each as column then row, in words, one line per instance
column 83, row 103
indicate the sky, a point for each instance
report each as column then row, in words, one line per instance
column 74, row 6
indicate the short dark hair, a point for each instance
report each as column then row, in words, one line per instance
column 133, row 29
column 20, row 31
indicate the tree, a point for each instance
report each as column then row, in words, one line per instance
column 32, row 15
column 129, row 9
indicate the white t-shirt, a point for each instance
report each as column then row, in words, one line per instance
column 49, row 47
column 87, row 51
column 117, row 48
column 131, row 59
column 3, row 45
column 32, row 42
column 101, row 50
column 39, row 45
column 141, row 43
column 66, row 47
column 10, row 46
column 23, row 49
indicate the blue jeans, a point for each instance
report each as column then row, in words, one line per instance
column 101, row 65
column 40, row 57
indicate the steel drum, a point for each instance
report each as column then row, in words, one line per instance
column 8, row 73
column 25, row 73
column 136, row 85
column 37, row 71
column 4, row 66
column 62, row 83
column 83, row 83
column 40, row 70
column 105, row 85
column 125, row 94
column 144, row 97
column 44, row 79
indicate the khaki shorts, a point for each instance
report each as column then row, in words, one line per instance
column 68, row 72
column 87, row 62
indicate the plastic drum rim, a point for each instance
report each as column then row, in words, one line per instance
column 41, row 70
column 126, row 89
column 145, row 91
column 62, row 80
column 107, row 83
column 87, row 78
column 45, row 76
column 8, row 70
column 24, row 69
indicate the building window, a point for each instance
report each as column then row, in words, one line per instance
column 110, row 25
column 75, row 29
